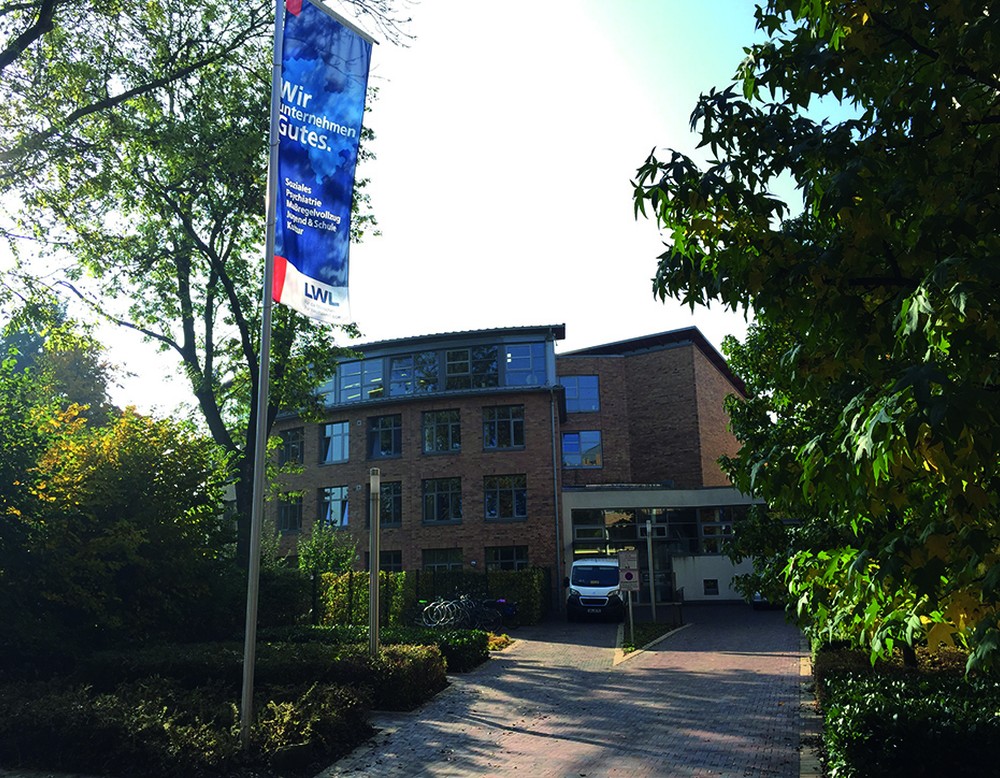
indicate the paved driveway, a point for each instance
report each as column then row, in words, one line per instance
column 720, row 697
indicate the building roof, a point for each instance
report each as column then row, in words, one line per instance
column 687, row 336
column 556, row 331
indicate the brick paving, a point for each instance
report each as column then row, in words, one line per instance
column 720, row 697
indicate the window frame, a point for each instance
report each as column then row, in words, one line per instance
column 293, row 443
column 436, row 493
column 289, row 512
column 327, row 437
column 518, row 558
column 578, row 395
column 438, row 425
column 326, row 500
column 505, row 491
column 493, row 426
column 581, row 450
column 379, row 427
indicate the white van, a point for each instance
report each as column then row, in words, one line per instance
column 592, row 589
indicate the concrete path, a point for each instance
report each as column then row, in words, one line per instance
column 720, row 697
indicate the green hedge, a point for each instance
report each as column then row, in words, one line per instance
column 877, row 725
column 156, row 727
column 344, row 597
column 420, row 670
column 462, row 649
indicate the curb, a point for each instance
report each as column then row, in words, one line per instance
column 811, row 722
column 621, row 656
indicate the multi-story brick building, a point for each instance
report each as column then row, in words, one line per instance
column 496, row 453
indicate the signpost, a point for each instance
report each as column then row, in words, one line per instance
column 628, row 580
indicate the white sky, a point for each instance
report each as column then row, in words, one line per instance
column 507, row 136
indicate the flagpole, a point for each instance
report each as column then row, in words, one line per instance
column 263, row 390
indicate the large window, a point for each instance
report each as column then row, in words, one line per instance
column 506, row 496
column 471, row 368
column 442, row 432
column 333, row 506
column 289, row 513
column 385, row 436
column 390, row 504
column 413, row 373
column 360, row 380
column 524, row 364
column 391, row 561
column 442, row 500
column 503, row 427
column 442, row 558
column 506, row 557
column 582, row 393
column 291, row 446
column 582, row 449
column 334, row 440
column 716, row 525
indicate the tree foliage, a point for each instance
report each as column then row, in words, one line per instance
column 873, row 360
column 136, row 138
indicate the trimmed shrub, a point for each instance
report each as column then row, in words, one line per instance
column 156, row 727
column 462, row 649
column 878, row 725
column 283, row 664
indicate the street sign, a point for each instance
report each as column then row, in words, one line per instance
column 628, row 566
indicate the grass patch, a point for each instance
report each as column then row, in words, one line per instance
column 645, row 633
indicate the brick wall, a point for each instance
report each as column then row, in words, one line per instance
column 474, row 532
column 713, row 421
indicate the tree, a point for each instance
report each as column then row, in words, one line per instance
column 68, row 67
column 161, row 198
column 126, row 536
column 872, row 364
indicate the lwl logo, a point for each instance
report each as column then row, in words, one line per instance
column 318, row 294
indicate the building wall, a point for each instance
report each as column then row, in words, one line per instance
column 612, row 419
column 474, row 532
column 714, row 436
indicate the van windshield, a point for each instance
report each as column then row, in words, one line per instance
column 594, row 575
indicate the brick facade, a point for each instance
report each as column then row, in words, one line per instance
column 660, row 419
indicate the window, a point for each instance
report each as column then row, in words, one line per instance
column 503, row 427
column 471, row 368
column 360, row 380
column 716, row 528
column 413, row 373
column 391, row 561
column 506, row 496
column 442, row 558
column 390, row 505
column 506, row 558
column 442, row 499
column 289, row 513
column 291, row 446
column 442, row 432
column 582, row 449
column 334, row 442
column 525, row 365
column 333, row 506
column 710, row 586
column 385, row 436
column 582, row 393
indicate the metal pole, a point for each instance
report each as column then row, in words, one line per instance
column 631, row 621
column 263, row 390
column 649, row 563
column 375, row 485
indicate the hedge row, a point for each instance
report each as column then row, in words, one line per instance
column 463, row 649
column 344, row 597
column 401, row 678
column 889, row 720
column 156, row 727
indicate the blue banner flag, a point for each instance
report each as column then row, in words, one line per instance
column 324, row 76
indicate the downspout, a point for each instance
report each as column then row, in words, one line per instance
column 556, row 497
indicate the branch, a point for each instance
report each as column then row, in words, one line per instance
column 42, row 25
column 102, row 312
